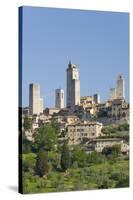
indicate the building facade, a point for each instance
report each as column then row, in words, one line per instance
column 51, row 111
column 120, row 109
column 73, row 86
column 101, row 143
column 59, row 98
column 35, row 101
column 120, row 89
column 86, row 101
column 76, row 133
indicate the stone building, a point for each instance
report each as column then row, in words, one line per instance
column 120, row 88
column 86, row 101
column 76, row 133
column 120, row 109
column 51, row 111
column 71, row 119
column 99, row 144
column 35, row 101
column 59, row 98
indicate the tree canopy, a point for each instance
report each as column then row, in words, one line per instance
column 27, row 123
column 45, row 138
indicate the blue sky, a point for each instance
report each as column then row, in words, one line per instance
column 98, row 42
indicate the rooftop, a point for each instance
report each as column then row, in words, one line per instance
column 85, row 124
column 106, row 139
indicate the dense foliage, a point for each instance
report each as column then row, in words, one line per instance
column 42, row 166
column 45, row 139
column 116, row 130
column 27, row 123
column 114, row 150
column 49, row 166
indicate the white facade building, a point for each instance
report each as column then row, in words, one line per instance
column 100, row 143
column 73, row 86
column 59, row 98
column 120, row 89
column 35, row 101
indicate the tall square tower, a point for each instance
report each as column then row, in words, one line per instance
column 120, row 89
column 73, row 86
column 59, row 98
column 35, row 102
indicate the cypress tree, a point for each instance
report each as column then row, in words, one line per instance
column 42, row 166
column 65, row 157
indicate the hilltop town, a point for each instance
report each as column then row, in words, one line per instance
column 81, row 146
column 84, row 119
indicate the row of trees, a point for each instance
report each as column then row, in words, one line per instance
column 44, row 162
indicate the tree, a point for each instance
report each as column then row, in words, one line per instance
column 104, row 183
column 28, row 162
column 54, row 124
column 45, row 139
column 26, row 144
column 95, row 158
column 115, row 150
column 27, row 123
column 123, row 182
column 79, row 156
column 65, row 157
column 54, row 159
column 105, row 131
column 42, row 166
column 123, row 127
